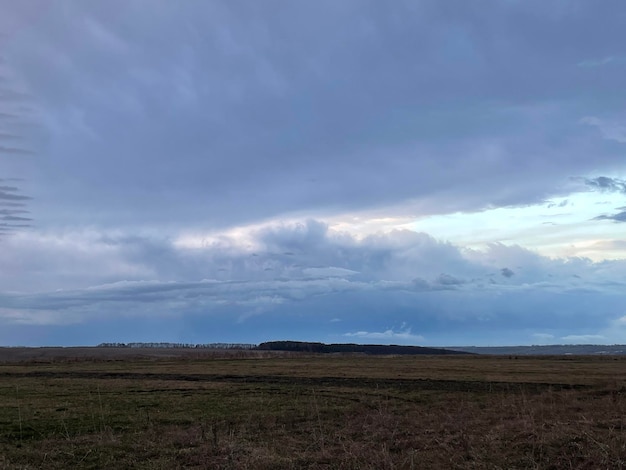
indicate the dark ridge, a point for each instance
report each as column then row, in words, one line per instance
column 374, row 349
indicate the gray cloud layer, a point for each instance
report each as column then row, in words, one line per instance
column 218, row 113
column 302, row 268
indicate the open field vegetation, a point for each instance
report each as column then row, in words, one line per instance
column 284, row 411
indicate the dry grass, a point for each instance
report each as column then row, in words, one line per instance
column 315, row 412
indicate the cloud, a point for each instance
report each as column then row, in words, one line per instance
column 428, row 127
column 621, row 322
column 506, row 272
column 12, row 219
column 609, row 60
column 14, row 150
column 610, row 130
column 10, row 195
column 618, row 217
column 607, row 248
column 563, row 203
column 610, row 245
column 327, row 275
column 579, row 339
column 330, row 271
column 604, row 183
column 608, row 185
column 14, row 120
column 403, row 335
column 7, row 212
column 448, row 281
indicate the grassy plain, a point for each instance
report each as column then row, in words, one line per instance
column 272, row 411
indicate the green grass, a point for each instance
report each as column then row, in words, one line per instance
column 349, row 412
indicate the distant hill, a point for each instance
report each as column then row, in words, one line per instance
column 374, row 349
column 554, row 349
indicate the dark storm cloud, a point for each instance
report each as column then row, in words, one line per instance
column 222, row 113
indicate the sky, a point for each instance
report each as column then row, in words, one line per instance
column 418, row 172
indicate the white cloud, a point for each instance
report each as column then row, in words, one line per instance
column 390, row 334
column 579, row 339
column 330, row 271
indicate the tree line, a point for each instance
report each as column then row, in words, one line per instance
column 179, row 345
column 297, row 346
column 381, row 349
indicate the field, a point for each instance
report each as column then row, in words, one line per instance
column 247, row 410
